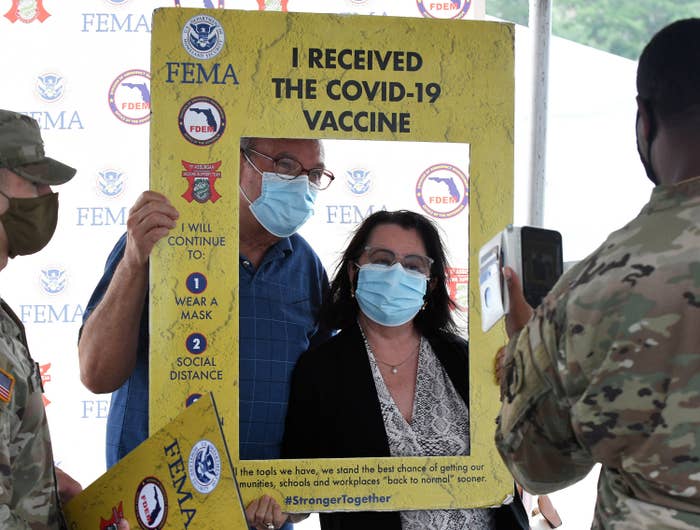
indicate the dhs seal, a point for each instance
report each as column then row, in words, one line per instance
column 442, row 191
column 53, row 280
column 110, row 183
column 202, row 121
column 358, row 180
column 151, row 504
column 49, row 86
column 203, row 37
column 443, row 8
column 204, row 466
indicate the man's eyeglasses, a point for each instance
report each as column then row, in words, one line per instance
column 412, row 262
column 287, row 167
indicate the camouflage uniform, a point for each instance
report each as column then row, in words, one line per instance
column 608, row 370
column 28, row 494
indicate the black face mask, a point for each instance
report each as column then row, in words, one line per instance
column 29, row 223
column 644, row 147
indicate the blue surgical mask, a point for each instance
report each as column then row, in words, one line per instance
column 390, row 296
column 284, row 205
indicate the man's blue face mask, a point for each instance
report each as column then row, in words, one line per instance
column 284, row 205
column 390, row 296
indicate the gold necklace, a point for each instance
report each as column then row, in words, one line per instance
column 394, row 367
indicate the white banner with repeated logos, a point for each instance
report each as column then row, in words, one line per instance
column 81, row 69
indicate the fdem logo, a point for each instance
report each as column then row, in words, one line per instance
column 151, row 504
column 443, row 8
column 130, row 97
column 442, row 191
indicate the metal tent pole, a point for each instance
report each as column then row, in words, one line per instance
column 541, row 30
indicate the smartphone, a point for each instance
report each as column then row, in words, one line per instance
column 535, row 254
column 542, row 262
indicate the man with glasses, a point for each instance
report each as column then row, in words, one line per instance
column 282, row 282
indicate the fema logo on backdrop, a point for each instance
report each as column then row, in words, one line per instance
column 27, row 11
column 442, row 191
column 359, row 180
column 130, row 97
column 202, row 121
column 203, row 37
column 50, row 87
column 204, row 466
column 117, row 2
column 151, row 504
column 110, row 183
column 443, row 8
column 53, row 280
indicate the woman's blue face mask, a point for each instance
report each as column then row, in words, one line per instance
column 390, row 296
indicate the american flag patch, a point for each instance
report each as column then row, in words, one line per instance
column 7, row 384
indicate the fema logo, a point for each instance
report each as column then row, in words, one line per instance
column 203, row 37
column 207, row 4
column 49, row 87
column 443, row 8
column 358, row 180
column 202, row 121
column 151, row 504
column 27, row 11
column 204, row 466
column 53, row 280
column 130, row 97
column 442, row 191
column 117, row 2
column 110, row 183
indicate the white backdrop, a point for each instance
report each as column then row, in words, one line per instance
column 59, row 60
column 80, row 67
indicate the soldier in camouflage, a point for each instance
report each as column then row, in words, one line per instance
column 31, row 489
column 607, row 369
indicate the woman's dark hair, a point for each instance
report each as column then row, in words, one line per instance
column 340, row 310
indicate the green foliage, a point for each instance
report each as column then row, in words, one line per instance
column 621, row 27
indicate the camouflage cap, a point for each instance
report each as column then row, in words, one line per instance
column 22, row 151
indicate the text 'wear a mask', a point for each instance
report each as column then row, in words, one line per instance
column 390, row 296
column 284, row 204
column 29, row 223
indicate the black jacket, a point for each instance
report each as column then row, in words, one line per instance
column 334, row 412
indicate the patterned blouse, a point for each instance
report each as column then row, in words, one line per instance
column 439, row 427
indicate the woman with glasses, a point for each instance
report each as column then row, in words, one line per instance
column 394, row 380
